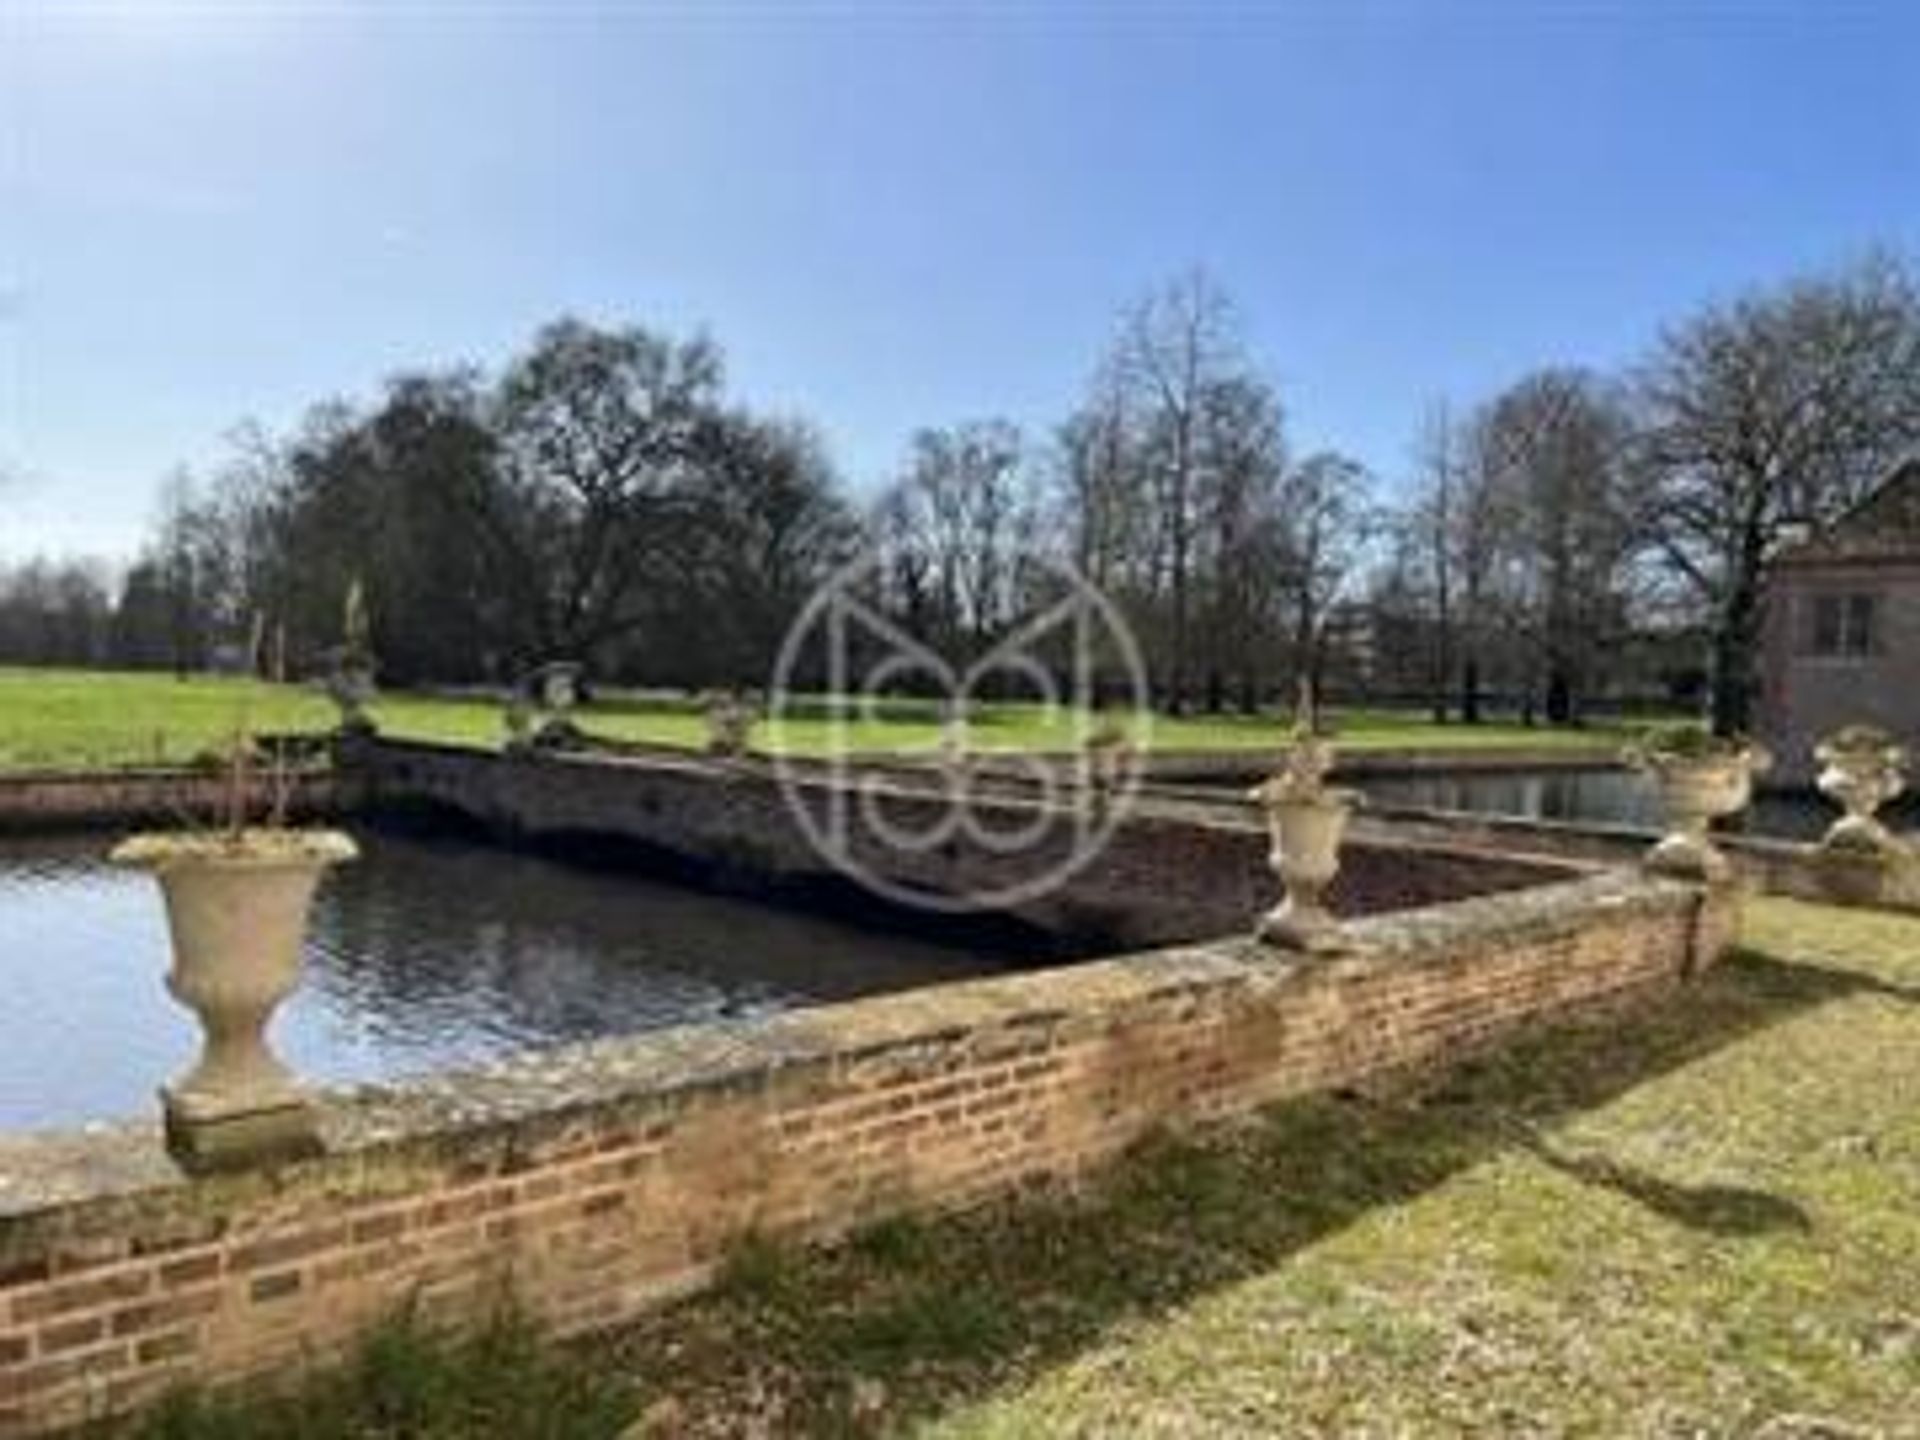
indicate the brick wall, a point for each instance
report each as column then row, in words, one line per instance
column 591, row 1181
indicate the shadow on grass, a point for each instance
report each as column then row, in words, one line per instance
column 407, row 1384
column 914, row 1318
column 1887, row 990
column 1728, row 1210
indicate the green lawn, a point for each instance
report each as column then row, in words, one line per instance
column 1704, row 1222
column 85, row 718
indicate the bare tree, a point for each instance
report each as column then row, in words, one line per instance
column 1483, row 529
column 193, row 555
column 1428, row 543
column 1784, row 404
column 56, row 612
column 1174, row 347
column 1559, row 445
column 1105, row 506
column 962, row 520
column 1328, row 515
column 1244, row 532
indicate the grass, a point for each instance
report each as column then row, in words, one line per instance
column 1704, row 1222
column 405, row 1382
column 63, row 718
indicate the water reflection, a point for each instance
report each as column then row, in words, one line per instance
column 1607, row 797
column 425, row 953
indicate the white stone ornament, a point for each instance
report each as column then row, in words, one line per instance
column 1306, row 822
column 1699, row 785
column 237, row 906
column 1861, row 769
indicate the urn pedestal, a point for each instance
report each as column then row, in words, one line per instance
column 1306, row 830
column 1695, row 791
column 1861, row 770
column 237, row 908
column 350, row 686
column 729, row 727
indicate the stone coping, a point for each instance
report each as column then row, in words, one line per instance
column 1626, row 839
column 63, row 799
column 1222, row 758
column 1197, row 804
column 371, row 1132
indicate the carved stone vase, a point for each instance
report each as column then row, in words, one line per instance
column 1861, row 770
column 349, row 684
column 237, row 907
column 1695, row 791
column 1306, row 822
column 729, row 726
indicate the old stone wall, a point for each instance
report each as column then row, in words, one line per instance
column 1160, row 878
column 39, row 801
column 590, row 1182
column 1185, row 766
column 1885, row 880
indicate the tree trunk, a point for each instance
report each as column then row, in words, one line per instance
column 1737, row 634
column 1560, row 707
column 1732, row 662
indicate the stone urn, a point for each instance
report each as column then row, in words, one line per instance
column 237, row 906
column 1861, row 769
column 1702, row 778
column 955, row 745
column 729, row 725
column 1107, row 761
column 557, row 683
column 349, row 685
column 1306, row 822
column 350, row 667
column 516, row 718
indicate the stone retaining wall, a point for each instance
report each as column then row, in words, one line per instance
column 54, row 800
column 1888, row 880
column 592, row 1181
column 1176, row 766
column 1160, row 878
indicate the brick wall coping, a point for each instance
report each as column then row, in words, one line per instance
column 375, row 1134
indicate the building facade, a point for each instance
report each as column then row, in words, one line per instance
column 1841, row 644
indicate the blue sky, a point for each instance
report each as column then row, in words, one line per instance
column 892, row 215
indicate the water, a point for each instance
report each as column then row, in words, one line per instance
column 1595, row 797
column 422, row 954
column 1606, row 797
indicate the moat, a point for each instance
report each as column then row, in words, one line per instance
column 427, row 952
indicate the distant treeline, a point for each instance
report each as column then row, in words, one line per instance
column 1576, row 537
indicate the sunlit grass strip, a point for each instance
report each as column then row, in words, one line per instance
column 53, row 719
